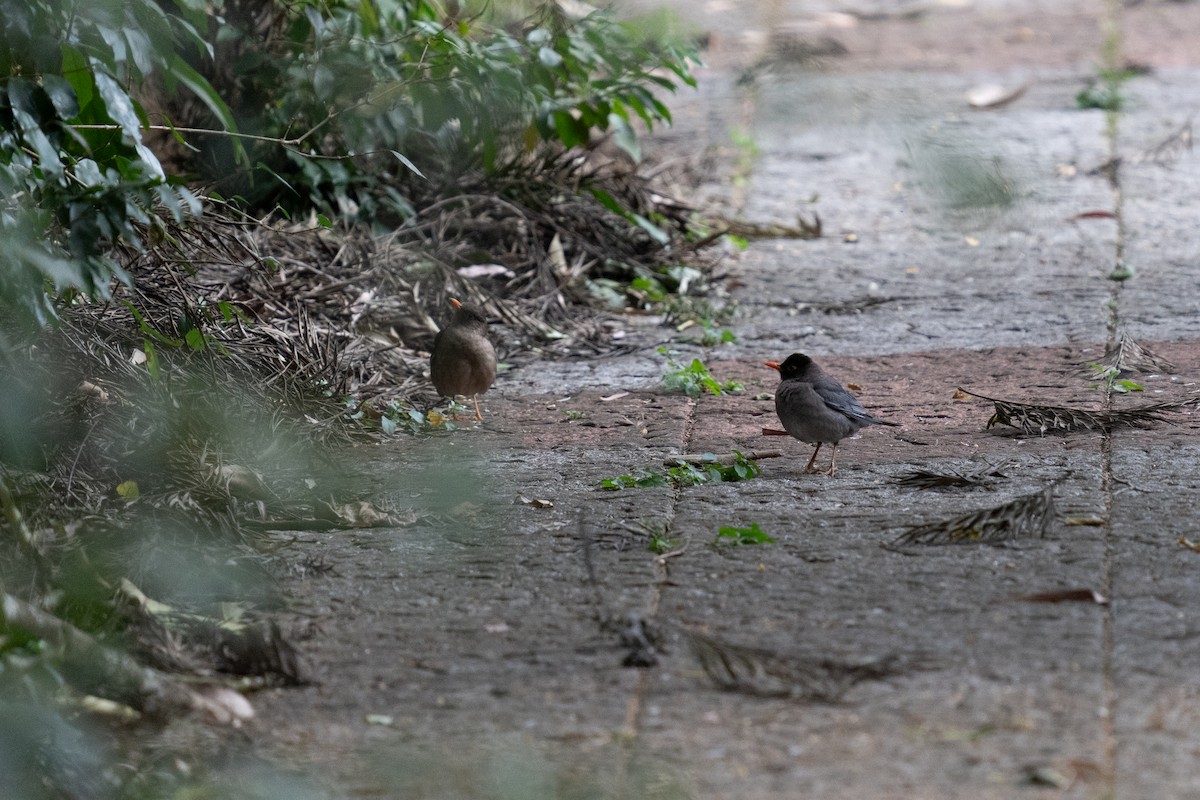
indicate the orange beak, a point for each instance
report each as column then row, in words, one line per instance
column 455, row 304
column 773, row 365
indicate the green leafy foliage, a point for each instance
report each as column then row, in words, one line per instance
column 688, row 474
column 75, row 176
column 713, row 337
column 1113, row 383
column 358, row 107
column 729, row 535
column 381, row 100
column 694, row 379
column 660, row 543
column 639, row 479
column 1104, row 92
column 406, row 419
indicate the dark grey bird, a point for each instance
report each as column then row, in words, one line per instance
column 463, row 361
column 815, row 408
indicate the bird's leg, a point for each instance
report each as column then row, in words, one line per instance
column 475, row 399
column 811, row 461
column 833, row 462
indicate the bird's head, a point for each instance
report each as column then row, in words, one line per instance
column 794, row 366
column 468, row 314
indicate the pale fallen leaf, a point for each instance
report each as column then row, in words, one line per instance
column 379, row 719
column 993, row 95
column 223, row 705
column 1091, row 521
column 612, row 397
column 854, row 387
column 971, row 241
column 527, row 501
column 959, row 394
column 1047, row 776
column 109, row 708
column 94, row 391
column 558, row 258
column 486, row 271
column 1189, row 544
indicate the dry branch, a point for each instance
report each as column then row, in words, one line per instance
column 93, row 668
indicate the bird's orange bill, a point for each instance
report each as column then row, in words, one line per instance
column 772, row 364
column 773, row 432
column 455, row 304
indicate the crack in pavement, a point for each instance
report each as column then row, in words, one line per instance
column 633, row 711
column 1111, row 57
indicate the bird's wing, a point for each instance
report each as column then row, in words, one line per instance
column 838, row 399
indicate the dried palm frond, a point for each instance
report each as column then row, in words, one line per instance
column 1129, row 356
column 765, row 673
column 1024, row 518
column 952, row 478
column 1041, row 419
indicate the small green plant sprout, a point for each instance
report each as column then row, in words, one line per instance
column 1104, row 91
column 688, row 473
column 732, row 536
column 660, row 542
column 406, row 419
column 713, row 337
column 640, row 479
column 1110, row 376
column 711, row 470
column 694, row 378
column 571, row 414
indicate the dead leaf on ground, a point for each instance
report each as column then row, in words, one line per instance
column 1189, row 544
column 1092, row 521
column 487, row 271
column 994, row 95
column 773, row 432
column 528, row 501
column 612, row 397
column 222, row 705
column 1063, row 596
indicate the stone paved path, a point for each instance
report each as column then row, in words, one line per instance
column 961, row 248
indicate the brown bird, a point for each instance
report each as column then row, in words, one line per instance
column 463, row 361
column 815, row 408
